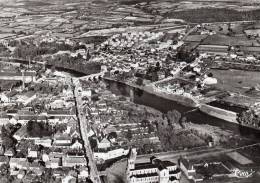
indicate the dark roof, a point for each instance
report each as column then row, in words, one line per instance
column 168, row 163
column 145, row 175
column 185, row 162
column 155, row 164
column 172, row 178
column 140, row 166
column 161, row 166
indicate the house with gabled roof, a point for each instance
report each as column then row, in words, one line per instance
column 104, row 144
column 76, row 145
column 62, row 140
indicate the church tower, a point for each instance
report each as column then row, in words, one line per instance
column 131, row 159
column 130, row 163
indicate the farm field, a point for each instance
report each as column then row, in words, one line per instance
column 236, row 80
column 195, row 38
column 252, row 152
column 218, row 39
column 239, row 158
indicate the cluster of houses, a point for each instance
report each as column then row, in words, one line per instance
column 37, row 149
column 137, row 51
column 110, row 123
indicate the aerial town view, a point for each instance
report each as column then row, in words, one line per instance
column 129, row 91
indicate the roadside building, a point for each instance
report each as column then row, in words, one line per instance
column 72, row 161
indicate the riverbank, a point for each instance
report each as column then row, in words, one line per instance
column 164, row 105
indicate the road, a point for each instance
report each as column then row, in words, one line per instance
column 192, row 153
column 172, row 155
column 84, row 125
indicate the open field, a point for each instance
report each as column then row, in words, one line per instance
column 228, row 40
column 236, row 80
column 195, row 38
column 252, row 153
column 239, row 158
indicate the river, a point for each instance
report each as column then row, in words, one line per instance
column 194, row 116
column 164, row 105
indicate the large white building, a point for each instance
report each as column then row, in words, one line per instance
column 155, row 171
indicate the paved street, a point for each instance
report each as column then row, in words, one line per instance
column 94, row 174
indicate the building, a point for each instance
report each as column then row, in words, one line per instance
column 152, row 172
column 26, row 98
column 4, row 160
column 83, row 173
column 104, row 144
column 19, row 163
column 25, row 76
column 33, row 152
column 62, row 140
column 72, row 161
column 76, row 145
column 110, row 153
column 198, row 171
column 46, row 142
column 53, row 162
column 69, row 179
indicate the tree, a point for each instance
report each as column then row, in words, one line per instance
column 93, row 142
column 88, row 55
column 8, row 141
column 47, row 176
column 150, row 128
column 245, row 117
column 139, row 81
column 173, row 117
column 158, row 66
column 112, row 135
column 129, row 134
column 53, row 69
column 94, row 97
column 39, row 129
column 145, row 123
column 4, row 169
column 155, row 76
column 168, row 59
column 183, row 121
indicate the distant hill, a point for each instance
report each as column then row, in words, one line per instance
column 208, row 15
